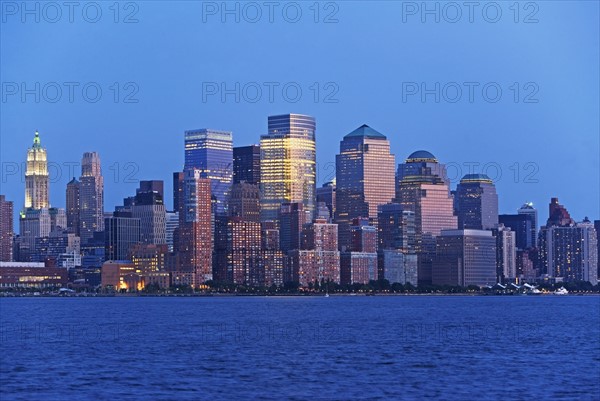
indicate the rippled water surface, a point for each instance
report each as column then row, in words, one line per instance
column 336, row 348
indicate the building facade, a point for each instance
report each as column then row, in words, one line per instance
column 6, row 230
column 91, row 197
column 477, row 203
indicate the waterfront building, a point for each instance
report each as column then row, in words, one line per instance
column 477, row 202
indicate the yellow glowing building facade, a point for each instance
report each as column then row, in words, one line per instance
column 36, row 177
column 288, row 164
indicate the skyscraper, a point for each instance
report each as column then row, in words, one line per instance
column 568, row 250
column 149, row 207
column 292, row 218
column 287, row 164
column 327, row 195
column 506, row 253
column 195, row 227
column 91, row 197
column 244, row 201
column 73, row 206
column 246, row 164
column 358, row 263
column 244, row 252
column 36, row 176
column 319, row 259
column 465, row 257
column 477, row 202
column 6, row 230
column 364, row 178
column 522, row 225
column 528, row 210
column 211, row 152
column 122, row 231
column 422, row 187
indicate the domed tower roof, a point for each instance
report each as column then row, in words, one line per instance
column 421, row 156
column 476, row 178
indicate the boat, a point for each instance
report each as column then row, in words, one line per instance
column 534, row 291
column 561, row 291
column 327, row 295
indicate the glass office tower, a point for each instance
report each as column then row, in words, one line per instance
column 288, row 164
column 211, row 152
column 477, row 202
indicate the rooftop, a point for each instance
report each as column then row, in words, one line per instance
column 364, row 131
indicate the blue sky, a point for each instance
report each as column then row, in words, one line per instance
column 538, row 141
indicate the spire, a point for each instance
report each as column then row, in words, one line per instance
column 36, row 140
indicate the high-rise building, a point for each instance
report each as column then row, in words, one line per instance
column 318, row 260
column 195, row 227
column 522, row 225
column 33, row 223
column 211, row 152
column 396, row 228
column 37, row 189
column 465, row 257
column 358, row 264
column 287, row 164
column 397, row 266
column 171, row 224
column 244, row 201
column 58, row 219
column 422, row 187
column 326, row 194
column 73, row 203
column 477, row 202
column 246, row 164
column 528, row 210
column 597, row 227
column 122, row 231
column 568, row 250
column 292, row 218
column 177, row 191
column 506, row 254
column 91, row 197
column 273, row 259
column 6, row 230
column 149, row 207
column 364, row 178
column 244, row 252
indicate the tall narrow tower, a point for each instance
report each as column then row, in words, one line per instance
column 91, row 197
column 288, row 164
column 36, row 176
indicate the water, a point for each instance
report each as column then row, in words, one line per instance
column 336, row 348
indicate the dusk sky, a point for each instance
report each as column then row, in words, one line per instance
column 367, row 66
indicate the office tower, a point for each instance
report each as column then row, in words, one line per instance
column 292, row 218
column 148, row 258
column 177, row 191
column 91, row 197
column 195, row 228
column 397, row 266
column 568, row 250
column 73, row 202
column 397, row 260
column 319, row 259
column 395, row 228
column 171, row 224
column 288, row 164
column 6, row 230
column 477, row 202
column 522, row 225
column 364, row 178
column 422, row 187
column 33, row 223
column 465, row 257
column 272, row 258
column 358, row 264
column 58, row 219
column 211, row 152
column 58, row 249
column 36, row 177
column 157, row 186
column 148, row 206
column 244, row 201
column 122, row 231
column 528, row 210
column 246, row 164
column 326, row 194
column 506, row 254
column 322, row 212
column 244, row 252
